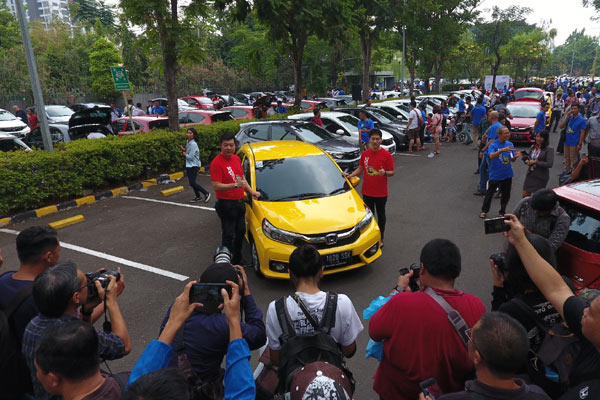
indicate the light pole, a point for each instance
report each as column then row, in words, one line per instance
column 403, row 51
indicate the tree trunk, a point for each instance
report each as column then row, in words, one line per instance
column 412, row 73
column 495, row 68
column 169, row 51
column 297, row 51
column 366, row 47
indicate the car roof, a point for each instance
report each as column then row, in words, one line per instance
column 277, row 121
column 145, row 118
column 326, row 114
column 524, row 103
column 272, row 150
column 535, row 89
column 586, row 193
column 242, row 107
column 209, row 112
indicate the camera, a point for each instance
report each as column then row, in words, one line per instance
column 416, row 268
column 102, row 277
column 498, row 259
column 222, row 255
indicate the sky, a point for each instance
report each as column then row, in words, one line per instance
column 564, row 15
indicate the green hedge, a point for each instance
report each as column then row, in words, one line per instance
column 29, row 180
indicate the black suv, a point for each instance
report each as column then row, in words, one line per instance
column 346, row 155
column 382, row 120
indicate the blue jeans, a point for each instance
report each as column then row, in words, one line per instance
column 192, row 173
column 484, row 173
column 467, row 131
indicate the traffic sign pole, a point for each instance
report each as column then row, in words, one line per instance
column 121, row 81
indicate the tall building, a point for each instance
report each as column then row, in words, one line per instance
column 45, row 10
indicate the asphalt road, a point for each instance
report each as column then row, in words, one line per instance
column 429, row 198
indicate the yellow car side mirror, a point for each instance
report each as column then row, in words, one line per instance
column 354, row 181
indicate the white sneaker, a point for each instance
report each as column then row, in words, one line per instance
column 207, row 198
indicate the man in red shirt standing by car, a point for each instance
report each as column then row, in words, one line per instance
column 378, row 164
column 227, row 178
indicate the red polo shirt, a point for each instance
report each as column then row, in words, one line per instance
column 225, row 171
column 376, row 185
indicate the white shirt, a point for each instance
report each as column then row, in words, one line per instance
column 136, row 111
column 347, row 323
column 414, row 114
column 96, row 135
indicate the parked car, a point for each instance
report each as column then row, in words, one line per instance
column 384, row 121
column 529, row 94
column 181, row 105
column 59, row 133
column 90, row 120
column 347, row 155
column 309, row 105
column 12, row 125
column 204, row 117
column 521, row 126
column 304, row 199
column 10, row 142
column 82, row 106
column 201, row 102
column 56, row 114
column 333, row 102
column 242, row 98
column 579, row 255
column 347, row 98
column 240, row 112
column 142, row 123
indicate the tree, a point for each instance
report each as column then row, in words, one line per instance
column 88, row 12
column 592, row 3
column 467, row 59
column 527, row 51
column 103, row 56
column 134, row 53
column 496, row 33
column 579, row 49
column 162, row 23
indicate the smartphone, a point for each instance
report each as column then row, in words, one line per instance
column 495, row 225
column 430, row 388
column 209, row 294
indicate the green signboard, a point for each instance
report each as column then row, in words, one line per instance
column 120, row 78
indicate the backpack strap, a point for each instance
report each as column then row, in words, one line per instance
column 454, row 316
column 328, row 319
column 287, row 330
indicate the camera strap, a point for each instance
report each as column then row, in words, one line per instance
column 454, row 316
column 106, row 326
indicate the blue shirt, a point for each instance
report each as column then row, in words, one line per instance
column 574, row 130
column 367, row 124
column 477, row 113
column 493, row 134
column 500, row 168
column 281, row 110
column 342, row 91
column 158, row 110
column 461, row 105
column 564, row 96
column 541, row 118
column 586, row 96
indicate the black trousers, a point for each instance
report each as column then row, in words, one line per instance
column 233, row 226
column 192, row 173
column 505, row 186
column 377, row 206
column 554, row 119
column 561, row 142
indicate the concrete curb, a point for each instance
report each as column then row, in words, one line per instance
column 40, row 212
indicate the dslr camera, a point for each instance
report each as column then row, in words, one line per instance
column 222, row 255
column 498, row 259
column 416, row 268
column 102, row 277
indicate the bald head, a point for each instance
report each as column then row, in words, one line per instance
column 493, row 116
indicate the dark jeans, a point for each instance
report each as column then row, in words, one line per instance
column 422, row 134
column 377, row 205
column 561, row 142
column 505, row 186
column 233, row 226
column 554, row 119
column 192, row 173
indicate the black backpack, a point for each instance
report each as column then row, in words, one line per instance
column 303, row 349
column 13, row 369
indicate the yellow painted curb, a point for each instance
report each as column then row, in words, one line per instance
column 202, row 169
column 149, row 182
column 85, row 200
column 119, row 191
column 4, row 222
column 40, row 212
column 176, row 175
column 66, row 222
column 168, row 192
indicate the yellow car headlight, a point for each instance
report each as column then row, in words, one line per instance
column 366, row 219
column 278, row 235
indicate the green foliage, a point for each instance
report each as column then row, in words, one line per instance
column 9, row 29
column 103, row 56
column 579, row 48
column 525, row 52
column 89, row 11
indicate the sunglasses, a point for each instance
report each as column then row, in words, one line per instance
column 469, row 333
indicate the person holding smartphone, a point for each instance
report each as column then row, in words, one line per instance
column 501, row 153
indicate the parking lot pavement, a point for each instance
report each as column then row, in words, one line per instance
column 429, row 198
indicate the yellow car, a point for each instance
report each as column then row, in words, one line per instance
column 304, row 199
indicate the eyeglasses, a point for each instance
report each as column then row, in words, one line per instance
column 469, row 333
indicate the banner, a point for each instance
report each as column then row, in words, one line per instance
column 501, row 81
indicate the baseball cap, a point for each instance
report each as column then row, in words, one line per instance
column 219, row 273
column 320, row 380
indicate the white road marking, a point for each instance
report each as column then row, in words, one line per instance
column 115, row 259
column 409, row 155
column 168, row 202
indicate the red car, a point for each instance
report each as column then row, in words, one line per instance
column 521, row 126
column 579, row 255
column 529, row 94
column 240, row 112
column 202, row 117
column 309, row 105
column 201, row 102
column 142, row 123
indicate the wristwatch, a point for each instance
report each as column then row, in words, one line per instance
column 235, row 185
column 398, row 288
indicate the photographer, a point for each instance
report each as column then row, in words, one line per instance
column 59, row 293
column 541, row 214
column 413, row 351
column 205, row 336
column 583, row 320
column 539, row 160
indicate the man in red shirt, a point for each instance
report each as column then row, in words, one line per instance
column 420, row 342
column 378, row 164
column 227, row 178
column 33, row 119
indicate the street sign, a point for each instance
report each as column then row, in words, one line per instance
column 120, row 78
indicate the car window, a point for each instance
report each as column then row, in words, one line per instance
column 118, row 125
column 195, row 117
column 183, row 118
column 238, row 112
column 311, row 133
column 59, row 111
column 205, row 100
column 278, row 132
column 382, row 116
column 259, row 132
column 392, row 112
column 295, row 178
column 584, row 232
column 160, row 124
column 246, row 168
column 350, row 122
column 224, row 116
column 330, row 125
column 519, row 111
column 304, row 105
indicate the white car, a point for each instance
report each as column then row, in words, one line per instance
column 346, row 126
column 56, row 114
column 10, row 142
column 12, row 125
